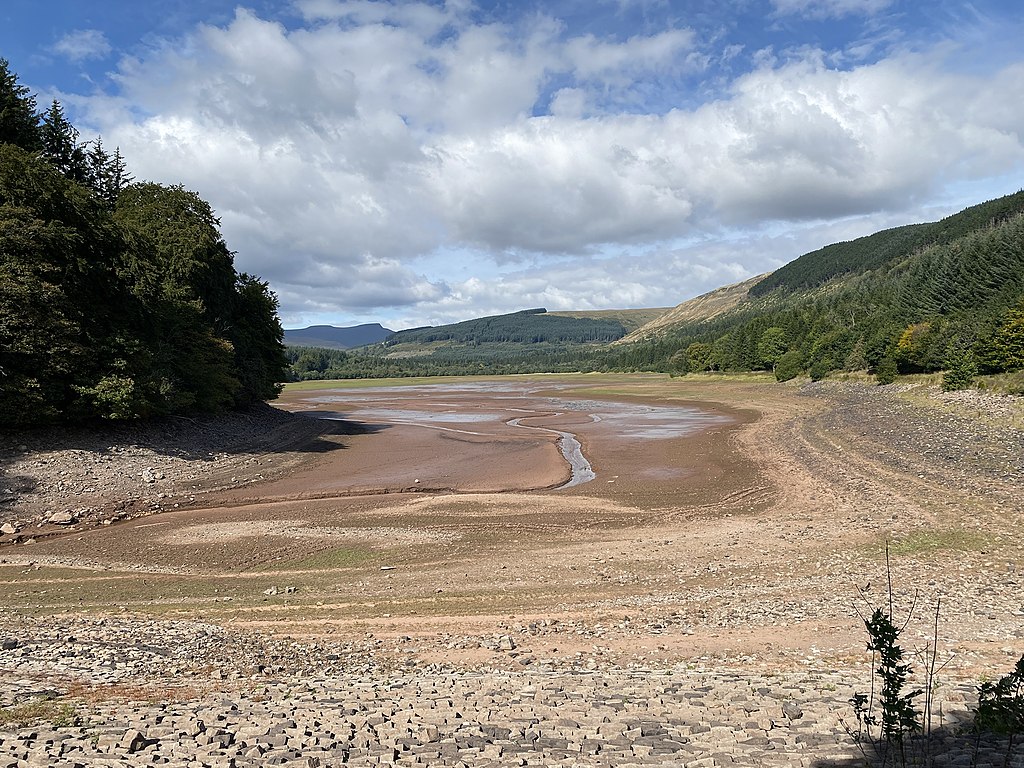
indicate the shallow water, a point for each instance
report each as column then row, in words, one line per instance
column 572, row 451
column 618, row 421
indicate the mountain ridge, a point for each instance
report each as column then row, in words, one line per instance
column 335, row 337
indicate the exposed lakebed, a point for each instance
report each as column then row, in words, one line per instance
column 497, row 410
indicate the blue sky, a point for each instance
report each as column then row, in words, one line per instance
column 424, row 162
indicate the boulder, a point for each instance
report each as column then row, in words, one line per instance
column 62, row 518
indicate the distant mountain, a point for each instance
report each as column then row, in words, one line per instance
column 529, row 326
column 330, row 337
column 940, row 296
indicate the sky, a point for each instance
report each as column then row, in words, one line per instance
column 419, row 163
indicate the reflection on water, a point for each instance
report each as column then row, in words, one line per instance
column 403, row 414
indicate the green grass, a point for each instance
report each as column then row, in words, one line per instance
column 928, row 542
column 340, row 557
column 59, row 714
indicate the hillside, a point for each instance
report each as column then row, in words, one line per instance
column 924, row 297
column 695, row 310
column 332, row 337
column 530, row 326
column 940, row 296
column 886, row 247
column 631, row 319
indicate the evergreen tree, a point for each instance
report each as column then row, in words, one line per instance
column 19, row 121
column 887, row 370
column 1004, row 350
column 107, row 174
column 61, row 146
column 961, row 368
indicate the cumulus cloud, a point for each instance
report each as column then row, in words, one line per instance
column 342, row 153
column 83, row 44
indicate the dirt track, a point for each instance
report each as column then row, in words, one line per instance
column 437, row 529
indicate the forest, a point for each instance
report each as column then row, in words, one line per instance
column 947, row 296
column 529, row 326
column 118, row 299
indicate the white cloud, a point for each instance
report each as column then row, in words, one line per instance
column 821, row 9
column 83, row 44
column 591, row 57
column 341, row 154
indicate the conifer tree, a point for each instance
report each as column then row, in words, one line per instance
column 19, row 121
column 61, row 146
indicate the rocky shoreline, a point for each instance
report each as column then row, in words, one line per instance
column 61, row 478
column 191, row 694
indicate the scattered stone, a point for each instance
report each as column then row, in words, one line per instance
column 62, row 518
column 792, row 710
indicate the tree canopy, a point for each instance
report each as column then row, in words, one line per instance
column 117, row 300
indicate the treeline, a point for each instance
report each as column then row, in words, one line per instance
column 531, row 326
column 118, row 300
column 314, row 363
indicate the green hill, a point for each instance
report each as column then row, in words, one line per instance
column 530, row 326
column 886, row 247
column 925, row 297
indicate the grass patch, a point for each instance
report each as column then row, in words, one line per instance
column 59, row 714
column 340, row 557
column 1002, row 383
column 927, row 542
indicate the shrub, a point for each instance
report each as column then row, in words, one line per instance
column 1001, row 706
column 960, row 370
column 790, row 366
column 886, row 371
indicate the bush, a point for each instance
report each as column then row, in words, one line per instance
column 819, row 369
column 960, row 370
column 1001, row 705
column 886, row 371
column 790, row 366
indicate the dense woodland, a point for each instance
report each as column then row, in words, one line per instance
column 947, row 296
column 529, row 326
column 118, row 299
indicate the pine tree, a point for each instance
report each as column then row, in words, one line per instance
column 107, row 174
column 61, row 146
column 19, row 121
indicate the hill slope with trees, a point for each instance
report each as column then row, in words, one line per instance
column 920, row 298
column 118, row 300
